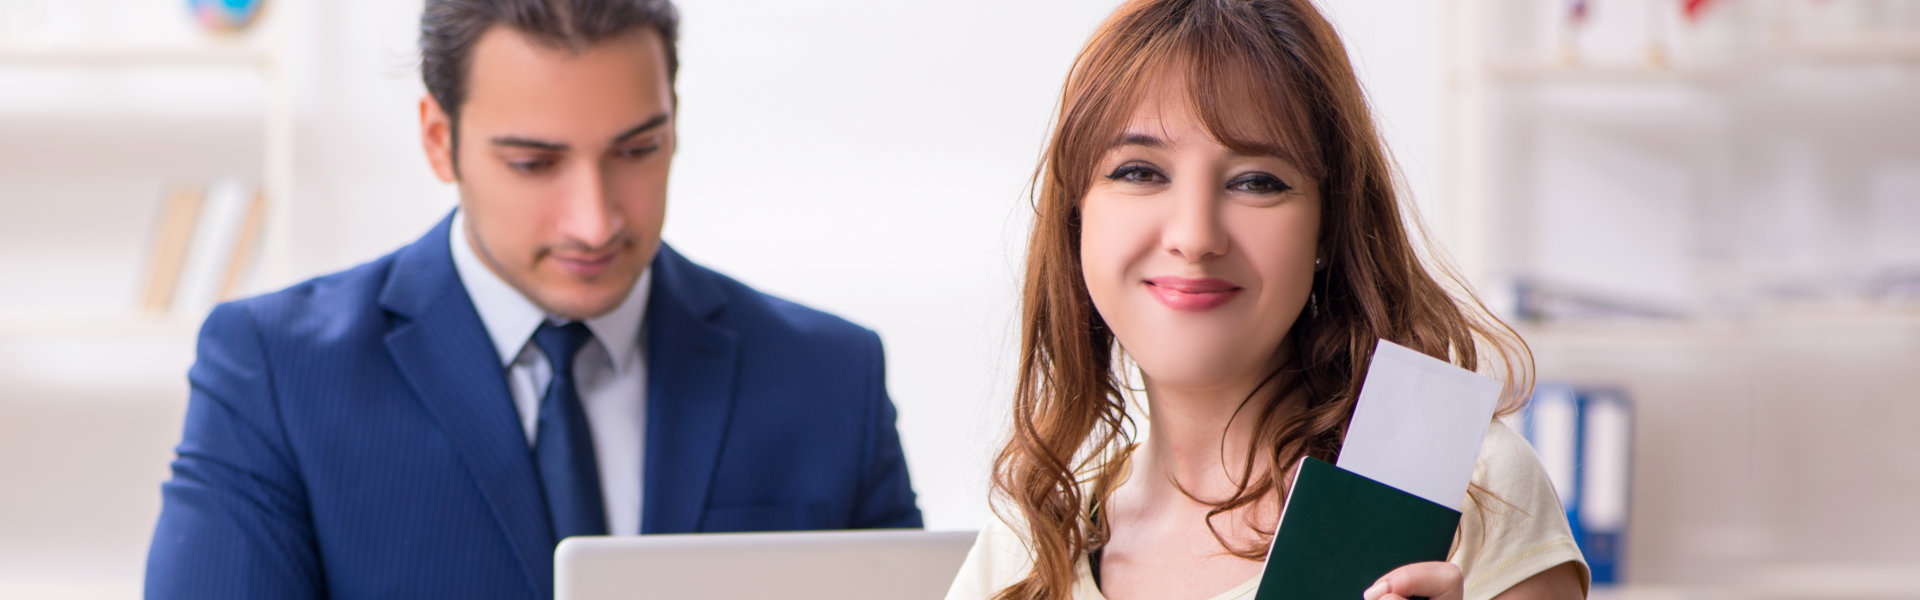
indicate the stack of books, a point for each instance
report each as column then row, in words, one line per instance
column 204, row 245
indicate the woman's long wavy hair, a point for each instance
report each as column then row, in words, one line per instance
column 1263, row 75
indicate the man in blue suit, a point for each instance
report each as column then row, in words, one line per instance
column 539, row 365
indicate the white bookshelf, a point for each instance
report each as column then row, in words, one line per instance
column 131, row 324
column 1543, row 73
column 1871, row 49
column 205, row 54
column 262, row 54
column 1720, row 391
column 1791, row 581
column 1484, row 83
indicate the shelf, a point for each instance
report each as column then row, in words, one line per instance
column 1769, row 326
column 1834, row 317
column 1606, row 74
column 1760, row 61
column 258, row 54
column 1791, row 581
column 156, row 55
column 1888, row 48
column 126, row 325
column 1641, row 592
column 1611, row 334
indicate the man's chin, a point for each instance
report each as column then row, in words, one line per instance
column 582, row 305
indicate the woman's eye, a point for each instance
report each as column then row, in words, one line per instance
column 1259, row 184
column 1136, row 174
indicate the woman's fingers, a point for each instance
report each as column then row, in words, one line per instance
column 1434, row 580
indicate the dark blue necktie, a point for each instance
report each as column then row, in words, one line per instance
column 563, row 443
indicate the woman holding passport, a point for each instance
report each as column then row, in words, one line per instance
column 1215, row 207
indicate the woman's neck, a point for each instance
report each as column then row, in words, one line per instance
column 1195, row 438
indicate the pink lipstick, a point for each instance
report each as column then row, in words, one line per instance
column 1192, row 295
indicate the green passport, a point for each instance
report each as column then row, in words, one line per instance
column 1340, row 532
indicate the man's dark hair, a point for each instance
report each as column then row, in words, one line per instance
column 449, row 29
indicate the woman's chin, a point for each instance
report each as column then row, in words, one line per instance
column 1194, row 374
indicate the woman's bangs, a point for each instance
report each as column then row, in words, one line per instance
column 1236, row 78
column 1247, row 99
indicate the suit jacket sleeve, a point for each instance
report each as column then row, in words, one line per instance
column 234, row 519
column 886, row 495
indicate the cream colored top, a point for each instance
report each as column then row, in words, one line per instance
column 1498, row 545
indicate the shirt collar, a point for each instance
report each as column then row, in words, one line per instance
column 511, row 319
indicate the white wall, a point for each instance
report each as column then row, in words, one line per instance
column 869, row 158
column 1394, row 48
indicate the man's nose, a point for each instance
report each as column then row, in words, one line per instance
column 588, row 216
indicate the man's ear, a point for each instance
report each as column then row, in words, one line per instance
column 436, row 137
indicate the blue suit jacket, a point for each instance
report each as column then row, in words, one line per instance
column 354, row 437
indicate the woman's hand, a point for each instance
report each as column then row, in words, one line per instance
column 1434, row 580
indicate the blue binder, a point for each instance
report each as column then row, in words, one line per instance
column 1584, row 436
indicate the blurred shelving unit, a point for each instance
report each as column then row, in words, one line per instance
column 1784, row 582
column 1499, row 97
column 1730, row 203
column 1881, row 48
column 261, row 55
column 94, row 326
column 106, row 107
column 1521, row 73
column 112, row 55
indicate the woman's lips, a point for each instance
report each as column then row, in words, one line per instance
column 1192, row 295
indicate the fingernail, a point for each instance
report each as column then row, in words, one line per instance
column 1379, row 587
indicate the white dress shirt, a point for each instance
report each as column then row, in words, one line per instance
column 610, row 373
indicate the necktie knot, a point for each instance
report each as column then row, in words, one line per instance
column 561, row 343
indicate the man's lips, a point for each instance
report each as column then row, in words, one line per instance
column 1192, row 295
column 585, row 265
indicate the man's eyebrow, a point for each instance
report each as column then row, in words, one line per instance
column 521, row 142
column 538, row 144
column 653, row 123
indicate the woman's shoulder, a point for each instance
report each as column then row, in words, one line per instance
column 1510, row 486
column 999, row 557
column 1513, row 526
column 1507, row 461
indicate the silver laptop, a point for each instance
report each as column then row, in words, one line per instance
column 837, row 565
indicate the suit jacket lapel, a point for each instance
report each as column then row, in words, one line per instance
column 444, row 352
column 691, row 365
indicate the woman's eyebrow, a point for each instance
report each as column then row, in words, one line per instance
column 1138, row 139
